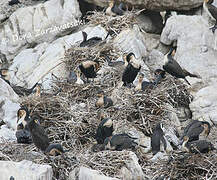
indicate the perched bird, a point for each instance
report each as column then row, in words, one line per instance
column 39, row 137
column 199, row 146
column 211, row 11
column 131, row 70
column 104, row 130
column 12, row 2
column 158, row 141
column 22, row 117
column 23, row 136
column 103, row 100
column 142, row 85
column 196, row 129
column 114, row 10
column 172, row 67
column 89, row 68
column 54, row 150
column 90, row 42
column 121, row 141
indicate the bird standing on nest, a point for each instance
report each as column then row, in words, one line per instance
column 211, row 11
column 142, row 85
column 89, row 68
column 172, row 67
column 113, row 9
column 131, row 71
column 196, row 129
column 103, row 100
column 121, row 141
column 199, row 146
column 158, row 141
column 104, row 129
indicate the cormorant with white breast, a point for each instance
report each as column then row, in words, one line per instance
column 212, row 12
column 196, row 129
column 89, row 68
column 113, row 9
column 103, row 100
column 104, row 129
column 199, row 146
column 158, row 141
column 172, row 67
column 121, row 141
column 131, row 71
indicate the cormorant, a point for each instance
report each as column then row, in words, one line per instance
column 103, row 101
column 201, row 146
column 158, row 141
column 12, row 2
column 23, row 136
column 121, row 141
column 104, row 130
column 39, row 137
column 131, row 70
column 212, row 12
column 113, row 9
column 142, row 85
column 54, row 150
column 79, row 80
column 172, row 67
column 159, row 75
column 196, row 129
column 22, row 114
column 89, row 68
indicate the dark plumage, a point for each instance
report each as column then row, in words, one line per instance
column 142, row 85
column 172, row 67
column 104, row 130
column 89, row 68
column 104, row 101
column 212, row 12
column 131, row 71
column 120, row 141
column 39, row 137
column 113, row 9
column 158, row 139
column 201, row 146
column 12, row 178
column 23, row 136
column 21, row 91
column 90, row 42
column 54, row 150
column 195, row 129
column 12, row 2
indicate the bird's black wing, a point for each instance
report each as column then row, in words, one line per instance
column 155, row 143
column 186, row 129
column 213, row 10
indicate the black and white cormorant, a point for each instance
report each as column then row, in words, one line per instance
column 158, row 141
column 212, row 12
column 172, row 67
column 12, row 2
column 54, row 150
column 104, row 130
column 103, row 100
column 199, row 146
column 196, row 129
column 121, row 141
column 89, row 68
column 142, row 85
column 131, row 71
column 113, row 9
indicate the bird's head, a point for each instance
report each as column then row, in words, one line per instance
column 185, row 139
column 140, row 77
column 160, row 72
column 22, row 117
column 108, row 123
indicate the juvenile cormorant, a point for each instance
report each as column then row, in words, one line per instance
column 212, row 12
column 196, row 129
column 158, row 142
column 142, row 85
column 172, row 67
column 131, row 70
column 201, row 146
column 159, row 75
column 23, row 136
column 54, row 150
column 12, row 2
column 121, row 141
column 113, row 9
column 89, row 68
column 39, row 137
column 103, row 101
column 104, row 130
